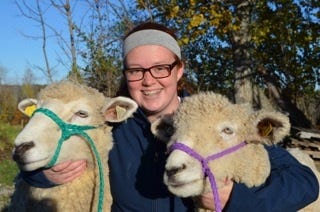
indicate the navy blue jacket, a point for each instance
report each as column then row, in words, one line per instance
column 136, row 177
column 136, row 163
column 290, row 187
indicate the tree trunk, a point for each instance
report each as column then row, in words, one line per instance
column 242, row 63
column 67, row 8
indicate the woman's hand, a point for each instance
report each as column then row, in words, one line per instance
column 207, row 201
column 66, row 171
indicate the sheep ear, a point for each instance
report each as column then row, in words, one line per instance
column 163, row 127
column 28, row 106
column 119, row 109
column 271, row 127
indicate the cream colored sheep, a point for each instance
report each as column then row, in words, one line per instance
column 76, row 105
column 206, row 124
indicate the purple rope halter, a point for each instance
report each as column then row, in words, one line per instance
column 205, row 167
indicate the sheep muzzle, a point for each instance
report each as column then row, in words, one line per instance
column 20, row 150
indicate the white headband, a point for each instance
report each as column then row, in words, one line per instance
column 151, row 37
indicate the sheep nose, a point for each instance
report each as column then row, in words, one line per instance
column 21, row 149
column 174, row 170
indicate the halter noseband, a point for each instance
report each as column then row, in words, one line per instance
column 205, row 167
column 68, row 130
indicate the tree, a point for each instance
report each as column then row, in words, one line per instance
column 65, row 9
column 247, row 49
column 289, row 54
column 36, row 13
column 101, row 65
column 236, row 38
column 28, row 90
column 8, row 103
column 109, row 20
column 3, row 73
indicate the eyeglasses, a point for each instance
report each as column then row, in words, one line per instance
column 157, row 72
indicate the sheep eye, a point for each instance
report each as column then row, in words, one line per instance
column 82, row 114
column 227, row 130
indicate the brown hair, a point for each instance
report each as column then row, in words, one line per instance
column 151, row 25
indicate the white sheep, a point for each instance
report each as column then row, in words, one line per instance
column 206, row 125
column 76, row 116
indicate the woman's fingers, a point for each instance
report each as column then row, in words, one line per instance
column 66, row 171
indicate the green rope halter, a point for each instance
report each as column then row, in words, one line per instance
column 68, row 130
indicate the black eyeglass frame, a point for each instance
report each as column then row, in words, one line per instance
column 144, row 70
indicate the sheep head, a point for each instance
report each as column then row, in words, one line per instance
column 74, row 104
column 209, row 123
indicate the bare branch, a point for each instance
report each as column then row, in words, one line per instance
column 37, row 15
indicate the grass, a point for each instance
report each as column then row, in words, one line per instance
column 8, row 171
column 8, row 168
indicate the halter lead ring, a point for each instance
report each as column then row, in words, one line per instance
column 205, row 167
column 68, row 130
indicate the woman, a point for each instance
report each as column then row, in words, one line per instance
column 153, row 68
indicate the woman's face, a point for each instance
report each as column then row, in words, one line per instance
column 155, row 96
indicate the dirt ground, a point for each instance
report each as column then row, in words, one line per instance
column 5, row 193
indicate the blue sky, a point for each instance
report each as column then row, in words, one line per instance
column 18, row 53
